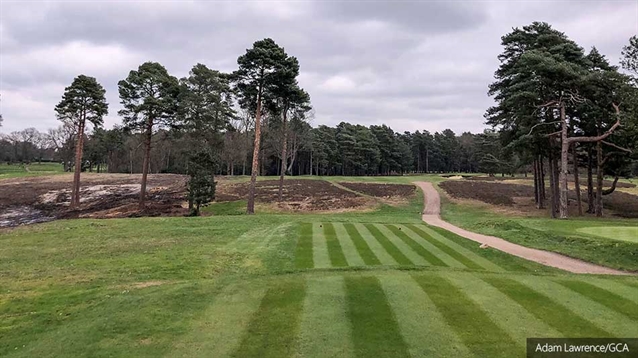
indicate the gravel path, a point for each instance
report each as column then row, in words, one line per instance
column 431, row 216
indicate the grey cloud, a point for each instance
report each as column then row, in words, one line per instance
column 410, row 64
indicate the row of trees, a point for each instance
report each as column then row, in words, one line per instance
column 346, row 149
column 554, row 101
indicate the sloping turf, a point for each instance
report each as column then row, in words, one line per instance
column 459, row 304
column 320, row 289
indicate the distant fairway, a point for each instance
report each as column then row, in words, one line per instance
column 624, row 233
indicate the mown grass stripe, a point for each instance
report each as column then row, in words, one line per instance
column 320, row 256
column 502, row 310
column 273, row 330
column 604, row 297
column 439, row 234
column 389, row 247
column 416, row 247
column 347, row 246
column 303, row 254
column 619, row 287
column 219, row 330
column 377, row 249
column 402, row 246
column 422, row 326
column 610, row 321
column 446, row 248
column 473, row 326
column 447, row 259
column 337, row 258
column 325, row 327
column 369, row 258
column 542, row 307
column 375, row 332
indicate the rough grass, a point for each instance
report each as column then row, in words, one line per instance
column 571, row 237
column 33, row 169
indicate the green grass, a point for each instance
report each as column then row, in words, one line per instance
column 303, row 256
column 574, row 237
column 364, row 250
column 375, row 331
column 624, row 233
column 273, row 329
column 299, row 285
column 33, row 169
column 226, row 208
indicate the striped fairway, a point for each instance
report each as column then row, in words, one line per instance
column 335, row 252
column 470, row 259
column 399, row 314
column 348, row 246
column 375, row 331
column 458, row 304
column 325, row 328
column 273, row 329
column 414, row 256
column 474, row 327
column 319, row 247
column 376, row 248
column 424, row 329
column 218, row 332
column 326, row 245
column 368, row 257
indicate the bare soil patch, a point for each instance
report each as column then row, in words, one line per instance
column 298, row 195
column 488, row 192
column 37, row 199
column 520, row 197
column 529, row 179
column 382, row 190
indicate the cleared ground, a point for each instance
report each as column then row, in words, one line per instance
column 520, row 197
column 32, row 199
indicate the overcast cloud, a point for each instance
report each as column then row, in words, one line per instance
column 413, row 65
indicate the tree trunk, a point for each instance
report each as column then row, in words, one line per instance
column 598, row 204
column 147, row 161
column 427, row 161
column 75, row 191
column 562, row 175
column 577, row 183
column 541, row 167
column 250, row 208
column 311, row 162
column 590, row 181
column 284, row 149
column 554, row 185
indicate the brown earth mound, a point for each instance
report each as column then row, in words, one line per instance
column 382, row 190
column 622, row 204
column 306, row 195
column 583, row 182
column 491, row 193
column 494, row 178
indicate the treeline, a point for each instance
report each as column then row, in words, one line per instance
column 346, row 149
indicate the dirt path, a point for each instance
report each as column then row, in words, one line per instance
column 431, row 216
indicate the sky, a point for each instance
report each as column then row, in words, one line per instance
column 412, row 65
